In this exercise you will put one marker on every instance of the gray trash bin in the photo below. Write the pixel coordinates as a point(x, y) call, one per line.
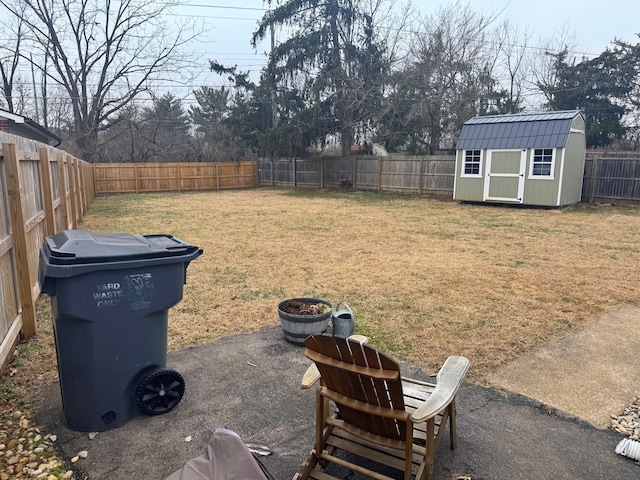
point(110, 295)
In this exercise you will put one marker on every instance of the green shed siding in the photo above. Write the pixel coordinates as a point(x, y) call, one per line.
point(468, 188)
point(543, 191)
point(560, 132)
point(573, 174)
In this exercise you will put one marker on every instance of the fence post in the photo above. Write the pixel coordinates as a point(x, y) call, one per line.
point(19, 228)
point(92, 174)
point(380, 173)
point(81, 190)
point(47, 192)
point(236, 180)
point(321, 172)
point(217, 176)
point(256, 175)
point(135, 177)
point(62, 191)
point(272, 179)
point(354, 167)
point(73, 193)
point(594, 169)
point(295, 172)
point(86, 172)
point(79, 193)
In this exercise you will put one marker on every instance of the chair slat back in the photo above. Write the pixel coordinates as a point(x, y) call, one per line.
point(376, 382)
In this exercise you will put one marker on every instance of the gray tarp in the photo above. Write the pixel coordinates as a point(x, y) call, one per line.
point(226, 458)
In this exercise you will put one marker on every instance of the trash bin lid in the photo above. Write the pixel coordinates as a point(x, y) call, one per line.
point(73, 247)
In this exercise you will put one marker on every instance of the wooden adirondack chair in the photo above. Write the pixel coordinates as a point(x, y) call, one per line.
point(394, 422)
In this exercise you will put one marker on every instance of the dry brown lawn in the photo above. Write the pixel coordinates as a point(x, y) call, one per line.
point(425, 278)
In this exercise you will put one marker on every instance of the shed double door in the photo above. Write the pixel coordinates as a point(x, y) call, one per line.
point(504, 175)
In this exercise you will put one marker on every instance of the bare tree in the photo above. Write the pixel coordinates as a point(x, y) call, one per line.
point(513, 48)
point(543, 71)
point(22, 95)
point(10, 48)
point(446, 79)
point(103, 53)
point(57, 111)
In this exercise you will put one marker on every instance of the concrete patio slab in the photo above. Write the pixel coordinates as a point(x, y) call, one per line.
point(590, 374)
point(251, 384)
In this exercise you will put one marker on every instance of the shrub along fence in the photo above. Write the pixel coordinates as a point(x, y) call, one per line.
point(43, 190)
point(172, 177)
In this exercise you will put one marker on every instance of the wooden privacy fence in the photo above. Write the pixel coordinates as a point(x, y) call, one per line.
point(172, 177)
point(424, 175)
point(609, 176)
point(43, 190)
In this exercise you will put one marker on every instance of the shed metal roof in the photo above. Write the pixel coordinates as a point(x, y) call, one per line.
point(520, 130)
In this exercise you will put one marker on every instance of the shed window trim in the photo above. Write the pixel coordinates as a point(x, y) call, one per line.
point(472, 163)
point(542, 164)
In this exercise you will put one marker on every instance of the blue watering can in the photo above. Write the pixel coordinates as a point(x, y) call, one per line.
point(344, 321)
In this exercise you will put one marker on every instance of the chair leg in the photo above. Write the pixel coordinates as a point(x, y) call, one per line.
point(452, 424)
point(307, 467)
point(430, 450)
point(322, 408)
point(408, 450)
point(322, 429)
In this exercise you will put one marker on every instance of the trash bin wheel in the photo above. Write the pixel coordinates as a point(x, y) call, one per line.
point(160, 391)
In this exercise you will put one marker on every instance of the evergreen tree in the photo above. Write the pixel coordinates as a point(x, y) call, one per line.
point(165, 129)
point(211, 109)
point(221, 125)
point(167, 117)
point(631, 54)
point(329, 73)
point(598, 87)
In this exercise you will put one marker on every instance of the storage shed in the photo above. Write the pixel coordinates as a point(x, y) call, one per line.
point(524, 158)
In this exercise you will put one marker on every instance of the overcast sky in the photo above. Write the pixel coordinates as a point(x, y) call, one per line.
point(594, 23)
point(230, 23)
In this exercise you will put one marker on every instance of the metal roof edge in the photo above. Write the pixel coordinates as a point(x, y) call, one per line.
point(522, 117)
point(15, 118)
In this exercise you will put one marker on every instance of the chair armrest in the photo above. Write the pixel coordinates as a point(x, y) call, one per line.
point(311, 376)
point(448, 381)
